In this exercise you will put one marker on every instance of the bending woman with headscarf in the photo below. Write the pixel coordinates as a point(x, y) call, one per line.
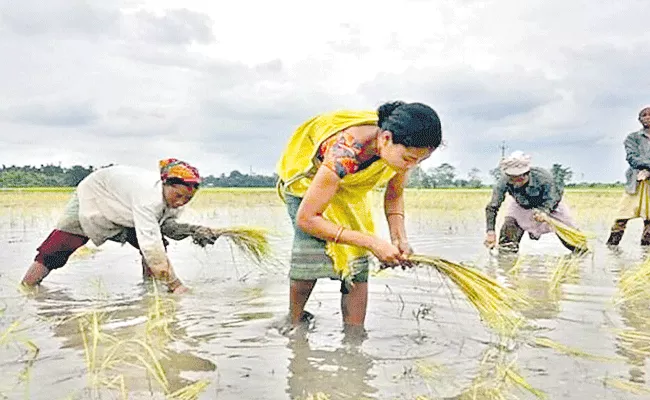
point(326, 175)
point(126, 204)
point(535, 193)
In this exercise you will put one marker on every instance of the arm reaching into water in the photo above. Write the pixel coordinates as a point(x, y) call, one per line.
point(394, 211)
point(310, 219)
point(491, 210)
point(148, 233)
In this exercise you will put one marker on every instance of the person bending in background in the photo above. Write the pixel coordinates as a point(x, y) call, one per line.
point(535, 193)
point(128, 205)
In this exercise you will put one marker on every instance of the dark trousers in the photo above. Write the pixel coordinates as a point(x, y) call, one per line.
point(618, 229)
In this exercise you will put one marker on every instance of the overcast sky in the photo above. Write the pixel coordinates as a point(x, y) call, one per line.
point(223, 84)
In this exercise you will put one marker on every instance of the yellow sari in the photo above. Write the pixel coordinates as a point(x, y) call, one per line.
point(351, 205)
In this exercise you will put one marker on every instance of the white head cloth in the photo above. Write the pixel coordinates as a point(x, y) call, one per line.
point(516, 163)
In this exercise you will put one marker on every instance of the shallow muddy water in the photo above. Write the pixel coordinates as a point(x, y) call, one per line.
point(422, 341)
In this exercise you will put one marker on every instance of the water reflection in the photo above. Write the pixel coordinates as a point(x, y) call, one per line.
point(538, 278)
point(418, 319)
point(342, 372)
point(498, 377)
point(633, 342)
point(137, 341)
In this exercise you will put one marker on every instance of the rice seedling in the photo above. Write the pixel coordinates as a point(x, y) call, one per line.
point(564, 269)
point(570, 235)
point(159, 316)
point(85, 252)
point(633, 343)
point(190, 392)
point(495, 303)
point(510, 374)
point(622, 384)
point(497, 379)
point(110, 360)
point(516, 268)
point(428, 370)
point(571, 351)
point(635, 283)
point(317, 396)
point(634, 335)
point(12, 334)
point(253, 242)
point(106, 356)
point(93, 337)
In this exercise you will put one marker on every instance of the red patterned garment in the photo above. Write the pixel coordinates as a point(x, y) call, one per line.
point(341, 152)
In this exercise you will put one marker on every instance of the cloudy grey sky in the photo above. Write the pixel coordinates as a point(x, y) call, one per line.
point(222, 85)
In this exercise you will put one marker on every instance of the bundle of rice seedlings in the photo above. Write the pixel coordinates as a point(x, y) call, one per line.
point(253, 242)
point(569, 234)
point(494, 302)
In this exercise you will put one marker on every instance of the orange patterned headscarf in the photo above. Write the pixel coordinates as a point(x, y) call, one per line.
point(173, 168)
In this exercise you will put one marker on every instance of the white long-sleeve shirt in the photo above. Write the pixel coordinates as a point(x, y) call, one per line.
point(116, 197)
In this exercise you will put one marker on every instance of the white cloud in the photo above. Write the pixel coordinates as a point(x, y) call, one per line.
point(223, 85)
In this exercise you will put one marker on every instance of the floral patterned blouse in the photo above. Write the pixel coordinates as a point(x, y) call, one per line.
point(341, 152)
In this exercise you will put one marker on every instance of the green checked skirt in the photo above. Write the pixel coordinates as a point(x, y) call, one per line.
point(308, 258)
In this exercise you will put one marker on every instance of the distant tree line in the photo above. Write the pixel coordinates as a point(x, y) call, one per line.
point(446, 176)
point(237, 179)
point(57, 176)
point(45, 175)
point(443, 176)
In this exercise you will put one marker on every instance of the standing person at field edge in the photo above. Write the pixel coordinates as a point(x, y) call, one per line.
point(326, 175)
point(535, 193)
point(125, 204)
point(634, 203)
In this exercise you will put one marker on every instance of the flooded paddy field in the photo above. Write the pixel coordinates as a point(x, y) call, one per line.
point(96, 330)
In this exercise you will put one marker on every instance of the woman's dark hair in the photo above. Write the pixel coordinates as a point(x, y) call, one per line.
point(179, 181)
point(412, 124)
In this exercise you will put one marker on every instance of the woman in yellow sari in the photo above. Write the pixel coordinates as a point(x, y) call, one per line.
point(326, 175)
